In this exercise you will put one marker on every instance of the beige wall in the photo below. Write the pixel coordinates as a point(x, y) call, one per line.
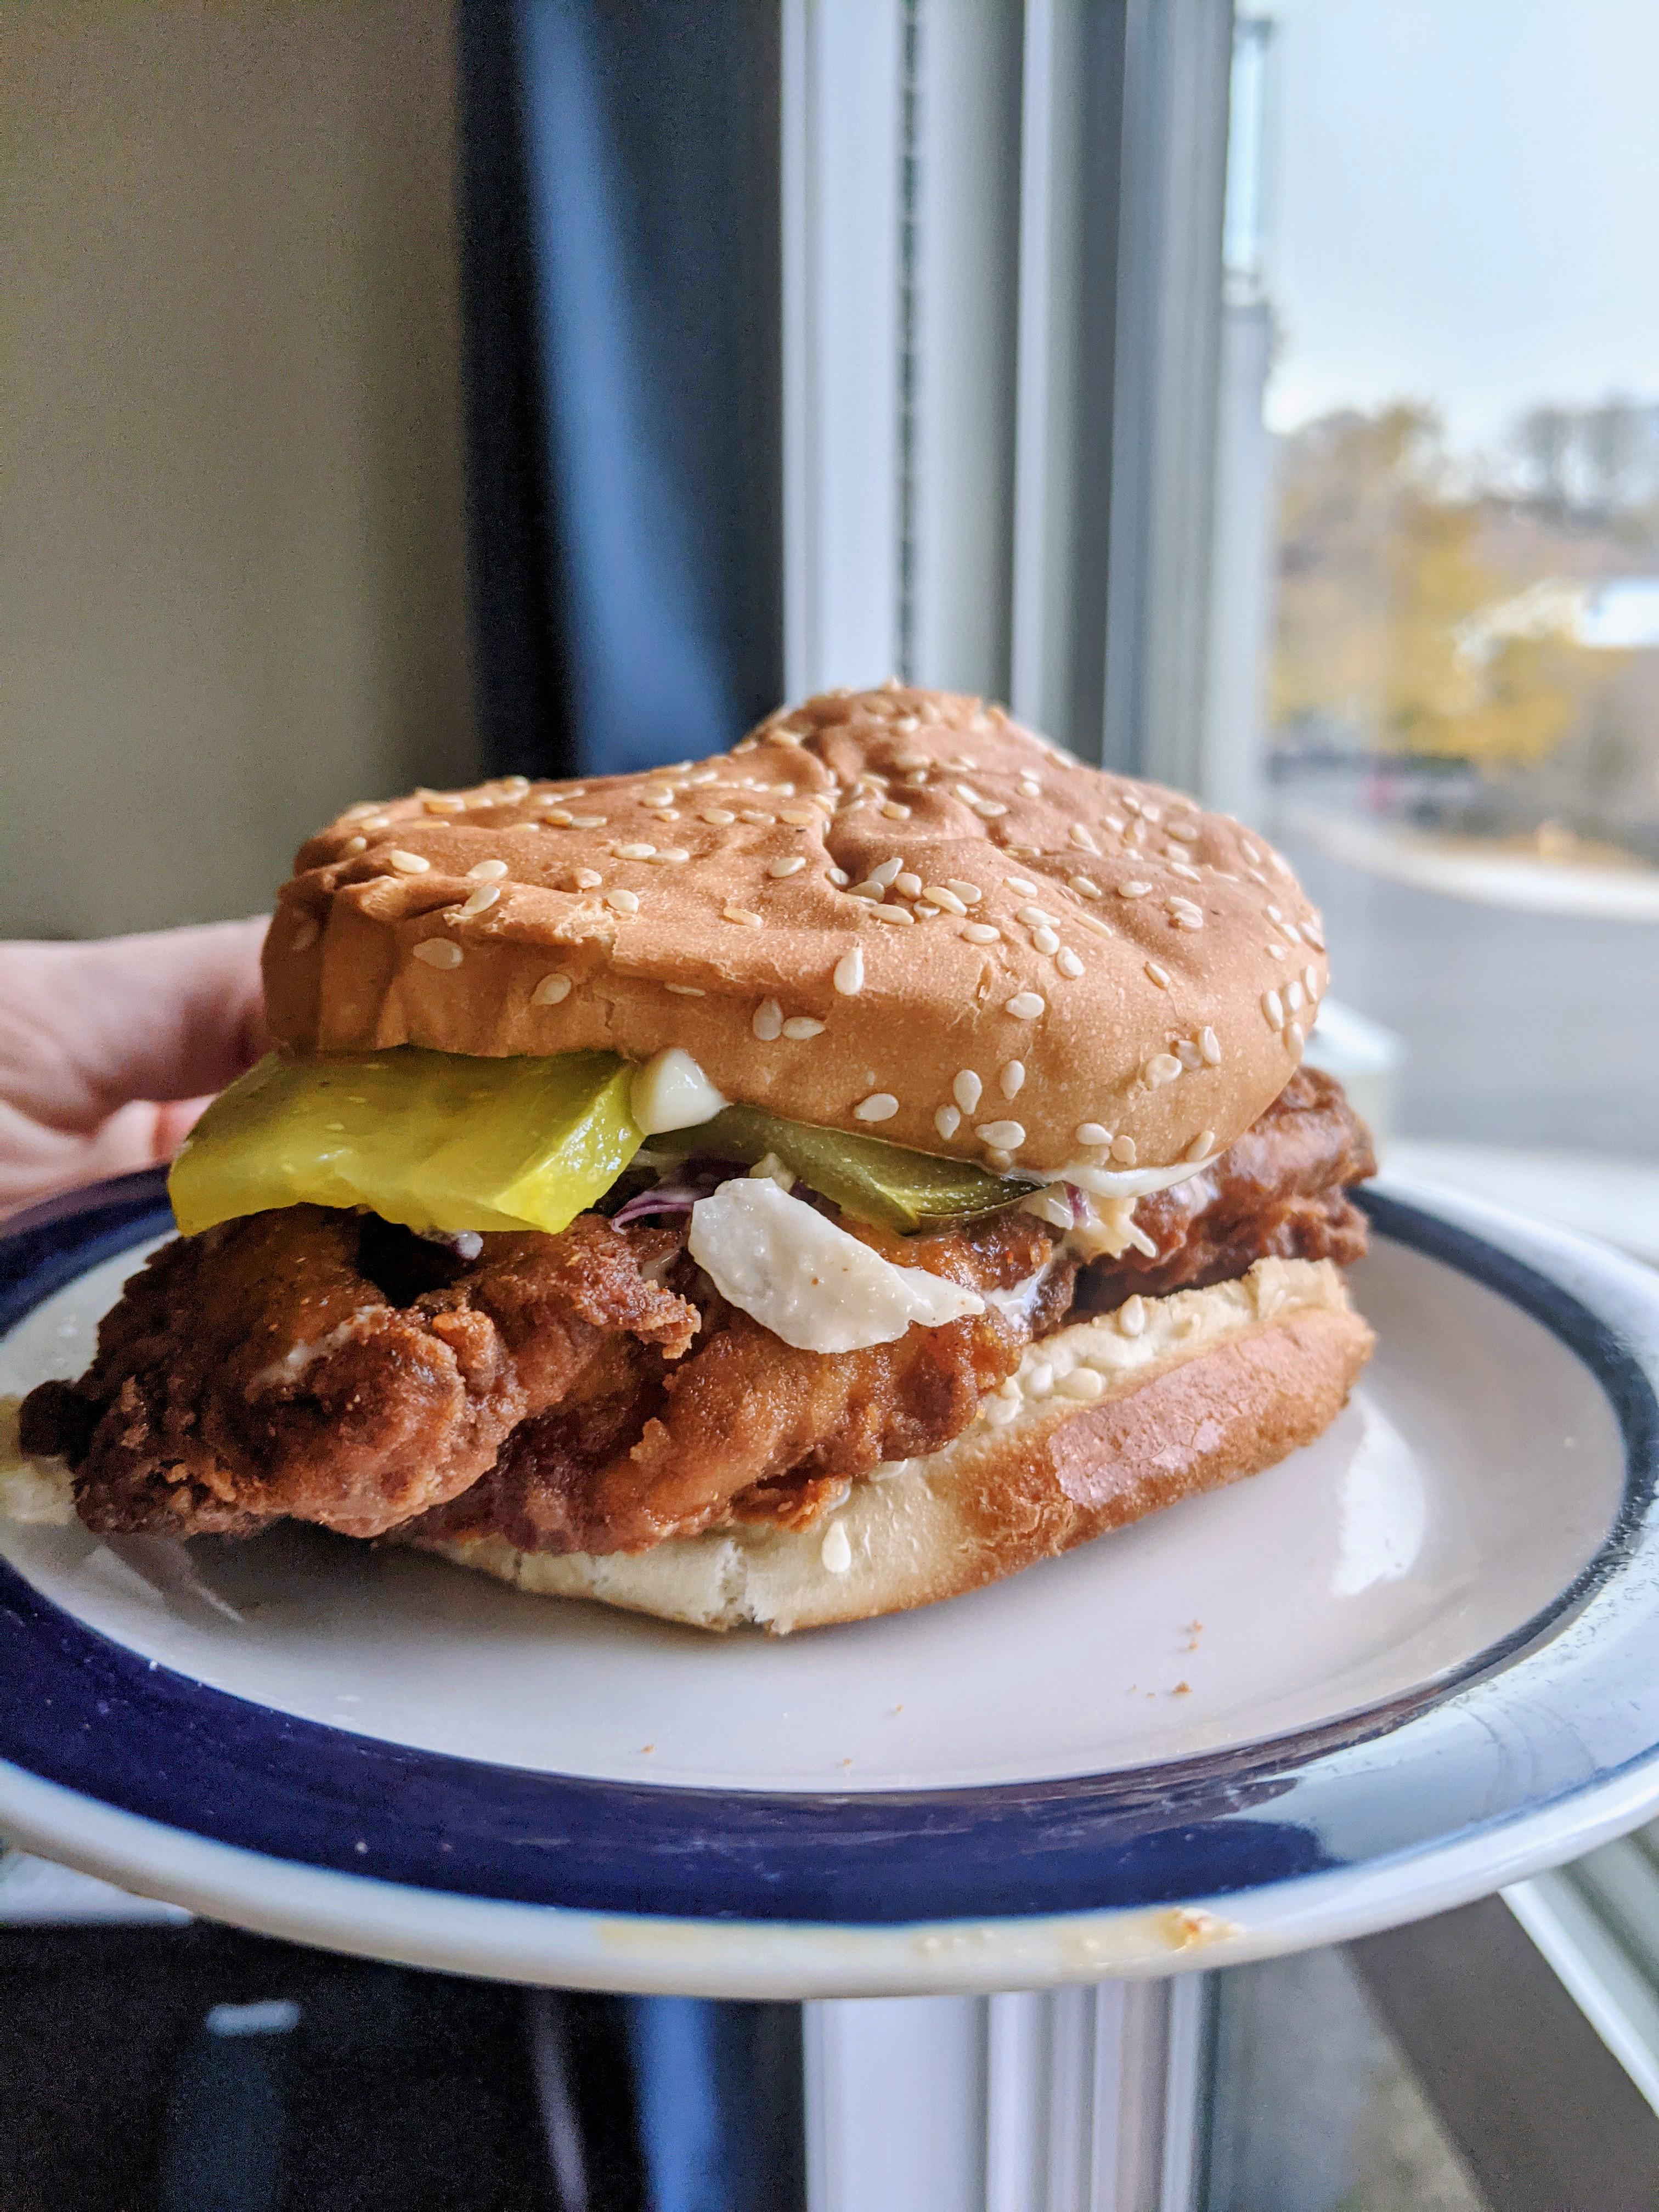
point(231, 545)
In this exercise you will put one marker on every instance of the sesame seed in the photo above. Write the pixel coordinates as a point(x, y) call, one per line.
point(1159, 976)
point(894, 811)
point(588, 880)
point(443, 802)
point(911, 760)
point(1202, 1145)
point(635, 852)
point(996, 1157)
point(741, 914)
point(873, 892)
point(1092, 1133)
point(1294, 994)
point(1273, 1007)
point(1188, 1055)
point(1115, 824)
point(1085, 886)
point(1021, 885)
point(1084, 1383)
point(478, 902)
point(1134, 888)
point(305, 933)
point(720, 816)
point(1274, 915)
point(1025, 1007)
point(1041, 1380)
point(1312, 935)
point(923, 911)
point(1186, 917)
point(1011, 1079)
point(1045, 940)
point(1162, 1067)
point(908, 885)
point(361, 811)
point(589, 821)
point(407, 864)
point(879, 1106)
point(1276, 953)
point(1293, 1037)
point(556, 819)
point(790, 866)
point(1210, 1046)
point(989, 810)
point(1068, 963)
point(754, 814)
point(438, 952)
point(552, 990)
point(1005, 1136)
point(354, 845)
point(941, 896)
point(849, 972)
point(947, 1121)
point(967, 1090)
point(1187, 831)
point(1310, 979)
point(965, 791)
point(1123, 1151)
point(488, 871)
point(1079, 835)
point(1030, 787)
point(799, 1027)
point(888, 873)
point(685, 990)
point(798, 818)
point(768, 1021)
point(621, 901)
point(1180, 868)
point(980, 933)
point(1131, 1315)
point(969, 894)
point(1034, 917)
point(673, 855)
point(899, 913)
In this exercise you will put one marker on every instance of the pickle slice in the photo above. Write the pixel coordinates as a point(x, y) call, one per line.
point(436, 1140)
point(886, 1184)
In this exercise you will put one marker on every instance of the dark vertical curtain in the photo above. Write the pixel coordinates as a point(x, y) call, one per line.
point(619, 182)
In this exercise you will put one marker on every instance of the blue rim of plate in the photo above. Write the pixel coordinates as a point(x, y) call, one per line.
point(87, 1714)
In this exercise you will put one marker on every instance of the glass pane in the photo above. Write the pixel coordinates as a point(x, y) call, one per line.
point(1440, 232)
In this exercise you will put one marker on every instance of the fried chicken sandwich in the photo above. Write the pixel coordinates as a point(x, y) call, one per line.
point(784, 1188)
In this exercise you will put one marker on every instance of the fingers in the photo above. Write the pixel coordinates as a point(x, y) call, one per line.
point(85, 1029)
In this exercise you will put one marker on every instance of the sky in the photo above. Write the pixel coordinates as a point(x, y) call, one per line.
point(1463, 205)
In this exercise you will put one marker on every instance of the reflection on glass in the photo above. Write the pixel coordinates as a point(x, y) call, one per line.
point(1444, 212)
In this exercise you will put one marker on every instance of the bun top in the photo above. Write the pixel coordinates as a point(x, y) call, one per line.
point(894, 912)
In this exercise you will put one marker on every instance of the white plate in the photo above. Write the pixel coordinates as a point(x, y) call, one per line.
point(1372, 1680)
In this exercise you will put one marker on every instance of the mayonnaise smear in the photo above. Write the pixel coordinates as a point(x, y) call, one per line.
point(795, 1273)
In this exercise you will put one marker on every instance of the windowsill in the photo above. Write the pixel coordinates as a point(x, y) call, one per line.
point(1614, 1199)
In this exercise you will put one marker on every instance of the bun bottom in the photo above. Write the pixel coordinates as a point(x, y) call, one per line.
point(1104, 1424)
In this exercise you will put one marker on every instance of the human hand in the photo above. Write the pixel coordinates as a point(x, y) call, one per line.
point(109, 1050)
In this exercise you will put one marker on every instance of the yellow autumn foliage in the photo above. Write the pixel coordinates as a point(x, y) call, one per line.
point(1382, 593)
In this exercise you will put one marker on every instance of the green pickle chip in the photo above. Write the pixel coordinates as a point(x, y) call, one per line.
point(436, 1140)
point(439, 1140)
point(874, 1182)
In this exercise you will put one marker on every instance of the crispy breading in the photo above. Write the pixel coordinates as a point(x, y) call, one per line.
point(591, 1391)
point(255, 1372)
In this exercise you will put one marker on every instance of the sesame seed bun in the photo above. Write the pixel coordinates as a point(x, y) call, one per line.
point(1210, 1386)
point(1050, 966)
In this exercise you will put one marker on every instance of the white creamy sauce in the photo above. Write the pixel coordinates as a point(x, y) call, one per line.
point(1129, 1183)
point(671, 1091)
point(798, 1275)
